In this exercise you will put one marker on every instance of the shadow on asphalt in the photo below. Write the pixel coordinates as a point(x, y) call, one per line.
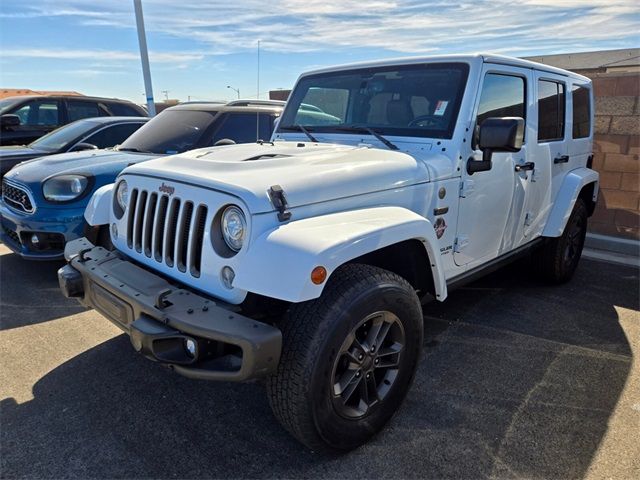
point(29, 292)
point(517, 380)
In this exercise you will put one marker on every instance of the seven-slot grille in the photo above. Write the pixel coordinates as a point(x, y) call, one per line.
point(170, 230)
point(16, 197)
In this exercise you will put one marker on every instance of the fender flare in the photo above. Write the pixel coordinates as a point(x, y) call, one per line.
point(98, 210)
point(279, 262)
point(566, 198)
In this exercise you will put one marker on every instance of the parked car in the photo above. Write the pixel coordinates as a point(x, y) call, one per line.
point(304, 261)
point(86, 134)
point(24, 119)
point(43, 200)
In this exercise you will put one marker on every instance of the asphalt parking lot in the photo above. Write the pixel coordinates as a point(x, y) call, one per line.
point(517, 380)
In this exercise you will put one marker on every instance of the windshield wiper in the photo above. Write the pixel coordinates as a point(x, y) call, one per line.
point(132, 149)
point(301, 129)
point(370, 131)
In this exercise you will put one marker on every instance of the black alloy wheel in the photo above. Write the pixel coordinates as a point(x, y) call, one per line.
point(367, 364)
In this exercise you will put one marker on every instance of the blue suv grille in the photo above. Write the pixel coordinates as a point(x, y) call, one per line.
point(17, 197)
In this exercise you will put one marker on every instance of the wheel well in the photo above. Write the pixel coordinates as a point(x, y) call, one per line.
point(409, 259)
point(586, 194)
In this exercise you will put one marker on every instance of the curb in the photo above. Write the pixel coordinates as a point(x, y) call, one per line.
point(607, 243)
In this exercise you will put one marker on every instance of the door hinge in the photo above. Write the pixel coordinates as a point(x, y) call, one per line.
point(461, 243)
point(466, 188)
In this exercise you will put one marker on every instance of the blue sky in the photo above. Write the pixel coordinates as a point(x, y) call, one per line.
point(198, 47)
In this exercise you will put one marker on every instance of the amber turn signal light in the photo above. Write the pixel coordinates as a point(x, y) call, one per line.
point(318, 275)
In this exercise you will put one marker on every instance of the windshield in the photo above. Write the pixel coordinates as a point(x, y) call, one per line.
point(6, 104)
point(62, 137)
point(410, 100)
point(172, 131)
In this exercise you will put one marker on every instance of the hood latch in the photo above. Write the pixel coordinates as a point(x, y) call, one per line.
point(279, 201)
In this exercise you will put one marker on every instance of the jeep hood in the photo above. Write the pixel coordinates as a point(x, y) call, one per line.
point(92, 162)
point(308, 172)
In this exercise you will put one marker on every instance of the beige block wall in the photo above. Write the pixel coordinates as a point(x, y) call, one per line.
point(617, 154)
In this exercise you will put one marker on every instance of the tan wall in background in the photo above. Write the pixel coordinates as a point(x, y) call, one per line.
point(617, 154)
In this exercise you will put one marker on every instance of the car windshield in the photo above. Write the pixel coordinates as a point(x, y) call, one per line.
point(410, 100)
point(63, 137)
point(172, 131)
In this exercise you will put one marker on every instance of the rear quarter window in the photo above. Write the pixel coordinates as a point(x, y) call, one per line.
point(581, 111)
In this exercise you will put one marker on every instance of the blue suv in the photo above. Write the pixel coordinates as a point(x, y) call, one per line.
point(43, 200)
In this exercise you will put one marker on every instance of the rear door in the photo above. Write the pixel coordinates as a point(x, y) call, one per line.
point(548, 149)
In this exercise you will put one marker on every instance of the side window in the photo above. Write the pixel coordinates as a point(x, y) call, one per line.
point(581, 111)
point(241, 128)
point(38, 112)
point(551, 103)
point(123, 110)
point(113, 135)
point(502, 96)
point(82, 109)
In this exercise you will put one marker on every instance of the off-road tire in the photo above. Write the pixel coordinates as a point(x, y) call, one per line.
point(301, 393)
point(558, 258)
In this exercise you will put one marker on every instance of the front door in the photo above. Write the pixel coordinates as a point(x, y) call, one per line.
point(492, 203)
point(37, 117)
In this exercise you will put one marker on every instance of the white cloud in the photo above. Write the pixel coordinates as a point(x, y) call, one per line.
point(103, 55)
point(404, 26)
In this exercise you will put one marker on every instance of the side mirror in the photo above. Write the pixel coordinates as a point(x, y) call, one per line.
point(224, 141)
point(497, 135)
point(9, 120)
point(79, 147)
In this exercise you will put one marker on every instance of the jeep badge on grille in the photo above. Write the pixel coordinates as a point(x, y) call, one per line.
point(166, 189)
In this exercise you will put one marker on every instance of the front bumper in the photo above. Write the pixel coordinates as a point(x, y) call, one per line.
point(162, 319)
point(53, 226)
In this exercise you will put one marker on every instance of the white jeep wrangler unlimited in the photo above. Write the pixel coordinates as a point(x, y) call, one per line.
point(305, 260)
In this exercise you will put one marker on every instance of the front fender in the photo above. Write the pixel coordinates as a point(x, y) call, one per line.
point(571, 186)
point(99, 208)
point(279, 262)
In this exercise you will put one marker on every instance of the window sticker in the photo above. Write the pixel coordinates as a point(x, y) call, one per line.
point(441, 107)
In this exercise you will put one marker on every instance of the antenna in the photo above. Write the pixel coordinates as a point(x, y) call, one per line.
point(258, 97)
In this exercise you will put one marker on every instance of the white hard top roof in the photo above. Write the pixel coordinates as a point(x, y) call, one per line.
point(468, 58)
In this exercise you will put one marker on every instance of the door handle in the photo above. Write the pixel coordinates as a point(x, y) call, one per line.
point(525, 166)
point(561, 159)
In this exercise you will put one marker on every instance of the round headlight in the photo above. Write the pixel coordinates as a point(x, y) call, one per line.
point(122, 195)
point(234, 227)
point(64, 188)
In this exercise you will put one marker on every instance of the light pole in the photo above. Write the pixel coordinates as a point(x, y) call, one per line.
point(144, 57)
point(237, 90)
point(166, 94)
